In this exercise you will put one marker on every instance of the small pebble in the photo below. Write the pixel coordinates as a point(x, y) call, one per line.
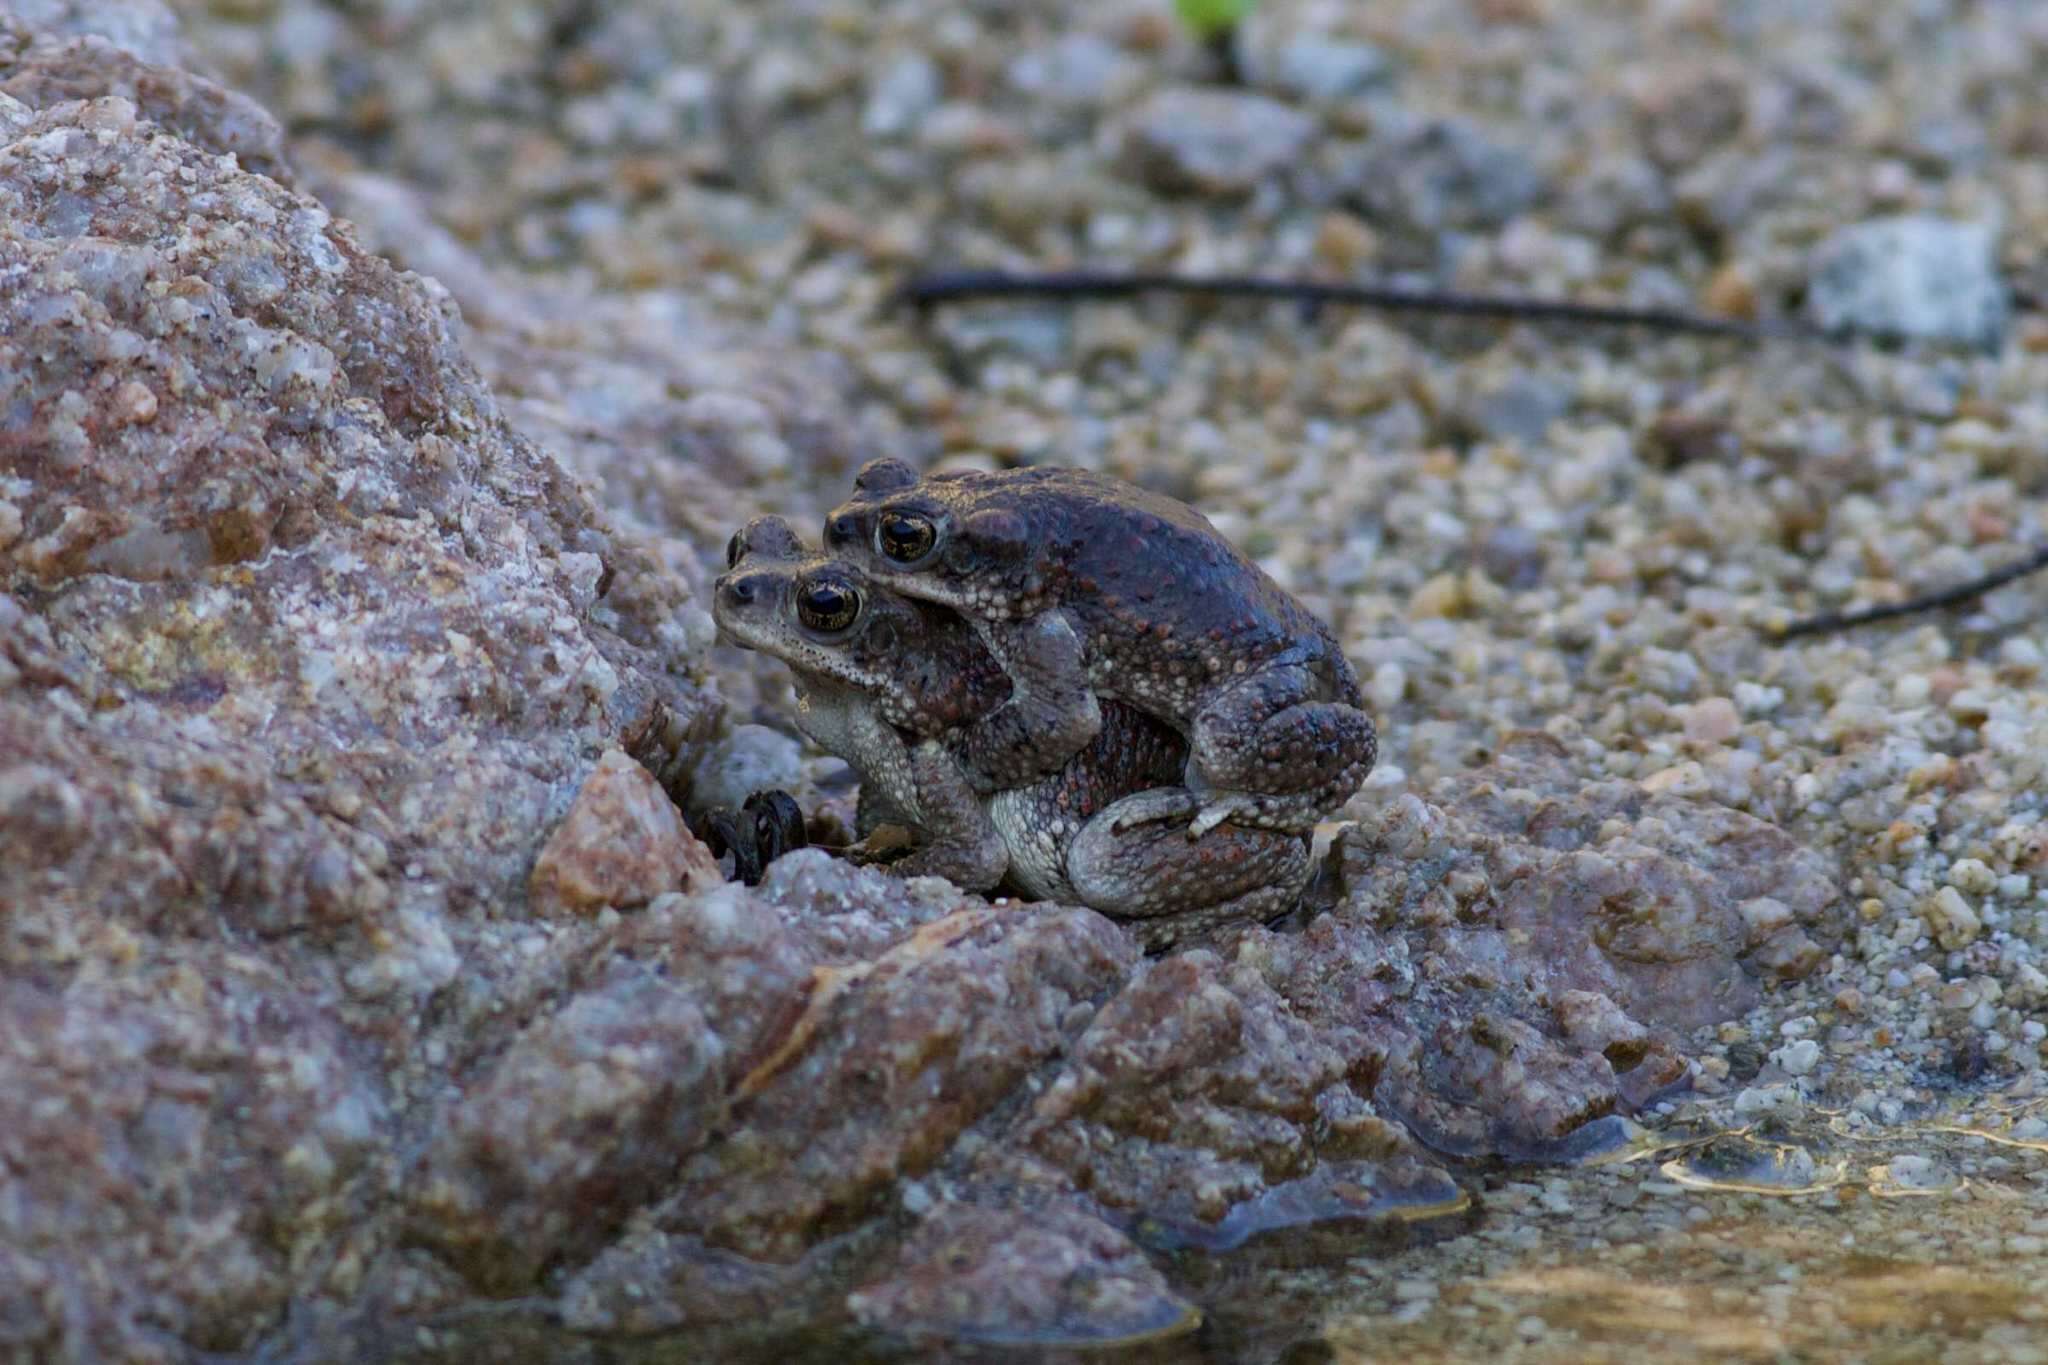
point(1798, 1059)
point(1911, 277)
point(1950, 919)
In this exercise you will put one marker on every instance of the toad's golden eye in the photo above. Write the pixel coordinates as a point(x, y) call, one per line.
point(827, 605)
point(735, 548)
point(905, 537)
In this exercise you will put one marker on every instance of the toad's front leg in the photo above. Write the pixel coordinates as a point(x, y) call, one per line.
point(963, 845)
point(1052, 713)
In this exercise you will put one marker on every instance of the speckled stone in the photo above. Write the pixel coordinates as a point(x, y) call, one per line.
point(1214, 142)
point(1911, 277)
point(622, 844)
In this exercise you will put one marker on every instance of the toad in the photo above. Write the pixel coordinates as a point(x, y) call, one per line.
point(1087, 588)
point(902, 690)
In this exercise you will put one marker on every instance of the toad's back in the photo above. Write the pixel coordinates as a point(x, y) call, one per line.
point(1166, 603)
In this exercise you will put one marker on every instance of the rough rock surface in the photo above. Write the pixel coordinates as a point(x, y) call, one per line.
point(40, 67)
point(302, 652)
point(1522, 904)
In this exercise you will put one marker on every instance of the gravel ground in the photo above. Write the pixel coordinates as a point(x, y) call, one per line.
point(1510, 527)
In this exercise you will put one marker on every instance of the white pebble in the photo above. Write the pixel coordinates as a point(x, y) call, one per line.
point(1754, 699)
point(1389, 685)
point(1972, 877)
point(1950, 919)
point(1386, 777)
point(1798, 1059)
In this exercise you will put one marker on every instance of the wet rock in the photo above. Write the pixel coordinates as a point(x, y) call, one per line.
point(1432, 175)
point(1911, 278)
point(1052, 1277)
point(1213, 142)
point(621, 844)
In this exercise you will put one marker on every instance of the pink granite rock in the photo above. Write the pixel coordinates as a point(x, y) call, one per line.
point(622, 844)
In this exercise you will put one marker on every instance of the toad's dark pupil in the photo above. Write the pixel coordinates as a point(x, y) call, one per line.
point(906, 538)
point(734, 548)
point(828, 606)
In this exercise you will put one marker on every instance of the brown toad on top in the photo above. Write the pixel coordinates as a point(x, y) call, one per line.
point(902, 691)
point(1085, 586)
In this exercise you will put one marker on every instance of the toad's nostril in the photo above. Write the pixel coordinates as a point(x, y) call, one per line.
point(841, 531)
point(738, 591)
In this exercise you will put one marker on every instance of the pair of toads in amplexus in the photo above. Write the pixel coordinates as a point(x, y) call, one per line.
point(1068, 686)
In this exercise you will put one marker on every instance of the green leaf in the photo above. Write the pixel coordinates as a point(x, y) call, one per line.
point(1211, 17)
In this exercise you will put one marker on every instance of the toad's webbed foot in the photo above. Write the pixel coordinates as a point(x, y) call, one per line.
point(1151, 807)
point(1135, 862)
point(1275, 752)
point(768, 825)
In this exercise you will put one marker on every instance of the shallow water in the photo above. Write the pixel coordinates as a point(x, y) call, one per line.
point(1809, 1236)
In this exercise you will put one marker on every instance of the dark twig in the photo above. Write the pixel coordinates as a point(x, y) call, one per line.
point(1222, 45)
point(1944, 597)
point(924, 291)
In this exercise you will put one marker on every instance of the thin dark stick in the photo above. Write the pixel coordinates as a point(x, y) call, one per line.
point(923, 291)
point(1945, 597)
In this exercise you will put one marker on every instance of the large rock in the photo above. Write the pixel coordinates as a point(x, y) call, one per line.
point(41, 66)
point(303, 651)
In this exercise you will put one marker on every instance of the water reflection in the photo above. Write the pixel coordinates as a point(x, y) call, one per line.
point(1280, 1273)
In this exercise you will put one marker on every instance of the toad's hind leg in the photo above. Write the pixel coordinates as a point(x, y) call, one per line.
point(1147, 870)
point(1275, 751)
